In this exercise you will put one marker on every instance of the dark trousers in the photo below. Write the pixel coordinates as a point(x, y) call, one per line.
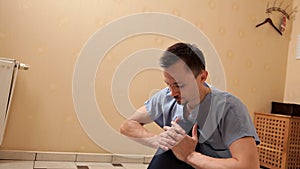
point(167, 160)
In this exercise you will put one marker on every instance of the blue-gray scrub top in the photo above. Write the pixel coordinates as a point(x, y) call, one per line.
point(221, 118)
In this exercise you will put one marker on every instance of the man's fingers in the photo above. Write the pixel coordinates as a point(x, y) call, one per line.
point(163, 147)
point(171, 133)
point(166, 128)
point(166, 143)
point(178, 128)
point(194, 132)
point(177, 120)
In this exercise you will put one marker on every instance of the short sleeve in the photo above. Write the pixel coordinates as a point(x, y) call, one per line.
point(236, 122)
point(157, 104)
point(163, 108)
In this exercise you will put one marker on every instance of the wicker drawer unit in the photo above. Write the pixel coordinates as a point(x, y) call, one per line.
point(280, 140)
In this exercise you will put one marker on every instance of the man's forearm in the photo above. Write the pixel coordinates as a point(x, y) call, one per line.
point(200, 161)
point(138, 133)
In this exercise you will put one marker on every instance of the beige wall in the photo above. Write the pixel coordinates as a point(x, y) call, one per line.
point(292, 87)
point(48, 35)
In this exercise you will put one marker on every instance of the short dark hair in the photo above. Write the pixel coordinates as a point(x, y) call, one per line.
point(188, 53)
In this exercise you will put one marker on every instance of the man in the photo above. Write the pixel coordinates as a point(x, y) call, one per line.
point(204, 128)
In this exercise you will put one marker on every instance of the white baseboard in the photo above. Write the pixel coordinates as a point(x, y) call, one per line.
point(73, 157)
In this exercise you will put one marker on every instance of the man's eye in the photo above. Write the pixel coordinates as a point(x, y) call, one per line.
point(180, 85)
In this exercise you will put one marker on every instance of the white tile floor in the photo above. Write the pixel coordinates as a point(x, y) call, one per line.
point(11, 164)
point(56, 160)
point(61, 160)
point(5, 164)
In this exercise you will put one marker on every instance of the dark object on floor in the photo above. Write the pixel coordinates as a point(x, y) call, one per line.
point(82, 167)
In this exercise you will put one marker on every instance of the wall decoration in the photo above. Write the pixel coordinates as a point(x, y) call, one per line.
point(285, 16)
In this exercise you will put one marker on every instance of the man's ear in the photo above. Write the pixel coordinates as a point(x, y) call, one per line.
point(202, 76)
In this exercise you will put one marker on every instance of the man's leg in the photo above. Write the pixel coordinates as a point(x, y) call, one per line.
point(167, 160)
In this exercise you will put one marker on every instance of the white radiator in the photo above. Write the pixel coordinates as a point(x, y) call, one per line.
point(8, 75)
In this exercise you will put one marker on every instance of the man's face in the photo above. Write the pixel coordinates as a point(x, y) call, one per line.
point(181, 82)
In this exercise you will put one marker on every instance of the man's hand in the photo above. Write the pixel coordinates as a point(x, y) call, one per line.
point(187, 145)
point(171, 136)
